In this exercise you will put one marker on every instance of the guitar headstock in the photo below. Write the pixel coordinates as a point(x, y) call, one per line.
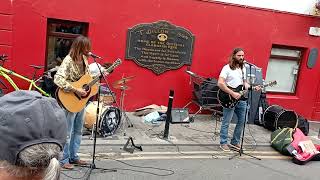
point(117, 62)
point(272, 83)
point(114, 64)
point(3, 57)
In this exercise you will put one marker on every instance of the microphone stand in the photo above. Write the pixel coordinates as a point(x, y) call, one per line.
point(93, 165)
point(241, 151)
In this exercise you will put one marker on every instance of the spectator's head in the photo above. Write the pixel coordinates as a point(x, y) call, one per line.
point(33, 132)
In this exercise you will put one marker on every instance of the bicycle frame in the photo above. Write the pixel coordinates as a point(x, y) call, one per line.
point(6, 72)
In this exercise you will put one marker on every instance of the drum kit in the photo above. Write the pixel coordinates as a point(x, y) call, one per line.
point(111, 113)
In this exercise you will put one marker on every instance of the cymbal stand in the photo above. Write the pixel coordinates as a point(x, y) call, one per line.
point(124, 115)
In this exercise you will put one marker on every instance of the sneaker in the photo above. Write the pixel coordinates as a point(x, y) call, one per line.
point(225, 147)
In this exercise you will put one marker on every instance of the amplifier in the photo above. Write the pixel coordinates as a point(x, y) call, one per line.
point(180, 115)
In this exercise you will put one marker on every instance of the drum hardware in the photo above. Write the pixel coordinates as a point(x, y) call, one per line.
point(122, 85)
point(132, 146)
point(123, 80)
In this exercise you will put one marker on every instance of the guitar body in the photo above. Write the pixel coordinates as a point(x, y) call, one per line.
point(226, 100)
point(71, 101)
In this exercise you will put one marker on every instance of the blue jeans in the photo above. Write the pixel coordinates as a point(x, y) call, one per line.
point(75, 124)
point(240, 111)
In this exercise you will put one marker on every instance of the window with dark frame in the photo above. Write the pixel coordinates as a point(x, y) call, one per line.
point(284, 64)
point(60, 35)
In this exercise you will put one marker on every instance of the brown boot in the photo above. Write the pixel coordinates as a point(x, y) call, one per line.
point(79, 162)
point(67, 166)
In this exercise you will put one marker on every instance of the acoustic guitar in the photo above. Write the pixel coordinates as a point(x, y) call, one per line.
point(74, 103)
point(227, 101)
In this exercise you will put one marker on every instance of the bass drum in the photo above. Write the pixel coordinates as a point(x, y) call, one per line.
point(91, 112)
point(276, 117)
point(109, 121)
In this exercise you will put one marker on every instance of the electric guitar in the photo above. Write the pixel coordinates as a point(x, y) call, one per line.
point(75, 103)
point(227, 101)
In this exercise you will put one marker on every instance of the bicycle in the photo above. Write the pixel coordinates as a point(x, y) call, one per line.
point(6, 73)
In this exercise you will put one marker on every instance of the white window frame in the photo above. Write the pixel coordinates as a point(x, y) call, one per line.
point(284, 66)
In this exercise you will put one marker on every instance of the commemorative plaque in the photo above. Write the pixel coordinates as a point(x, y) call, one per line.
point(159, 46)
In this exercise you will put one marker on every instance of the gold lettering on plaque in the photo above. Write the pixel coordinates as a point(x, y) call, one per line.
point(162, 37)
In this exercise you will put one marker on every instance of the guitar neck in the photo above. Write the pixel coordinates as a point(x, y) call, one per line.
point(246, 90)
point(95, 80)
point(117, 62)
point(264, 85)
point(109, 69)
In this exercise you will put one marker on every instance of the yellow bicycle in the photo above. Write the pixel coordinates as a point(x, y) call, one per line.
point(33, 83)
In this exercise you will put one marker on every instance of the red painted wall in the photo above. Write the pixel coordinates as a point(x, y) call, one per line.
point(5, 27)
point(217, 27)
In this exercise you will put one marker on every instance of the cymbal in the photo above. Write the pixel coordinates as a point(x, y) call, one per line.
point(123, 80)
point(122, 87)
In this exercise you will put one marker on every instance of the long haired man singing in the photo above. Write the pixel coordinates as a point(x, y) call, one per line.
point(232, 75)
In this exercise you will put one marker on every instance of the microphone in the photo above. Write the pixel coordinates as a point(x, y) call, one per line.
point(191, 73)
point(246, 62)
point(94, 55)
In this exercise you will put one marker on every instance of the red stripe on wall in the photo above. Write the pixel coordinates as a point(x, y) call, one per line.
point(5, 22)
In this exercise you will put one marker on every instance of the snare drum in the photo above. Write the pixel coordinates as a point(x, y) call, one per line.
point(91, 112)
point(107, 99)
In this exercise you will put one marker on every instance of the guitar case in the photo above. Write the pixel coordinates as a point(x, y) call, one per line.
point(302, 149)
point(262, 107)
point(303, 125)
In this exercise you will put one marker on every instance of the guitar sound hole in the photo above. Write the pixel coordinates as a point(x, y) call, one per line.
point(86, 88)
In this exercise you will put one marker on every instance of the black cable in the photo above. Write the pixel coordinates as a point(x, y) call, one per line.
point(197, 130)
point(71, 177)
point(171, 172)
point(160, 135)
point(254, 140)
point(216, 134)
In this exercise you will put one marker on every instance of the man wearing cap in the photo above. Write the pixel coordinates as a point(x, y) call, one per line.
point(34, 131)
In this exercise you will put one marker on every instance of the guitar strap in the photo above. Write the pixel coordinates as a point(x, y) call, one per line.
point(243, 84)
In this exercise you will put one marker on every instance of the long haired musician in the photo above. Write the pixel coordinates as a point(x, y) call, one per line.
point(232, 76)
